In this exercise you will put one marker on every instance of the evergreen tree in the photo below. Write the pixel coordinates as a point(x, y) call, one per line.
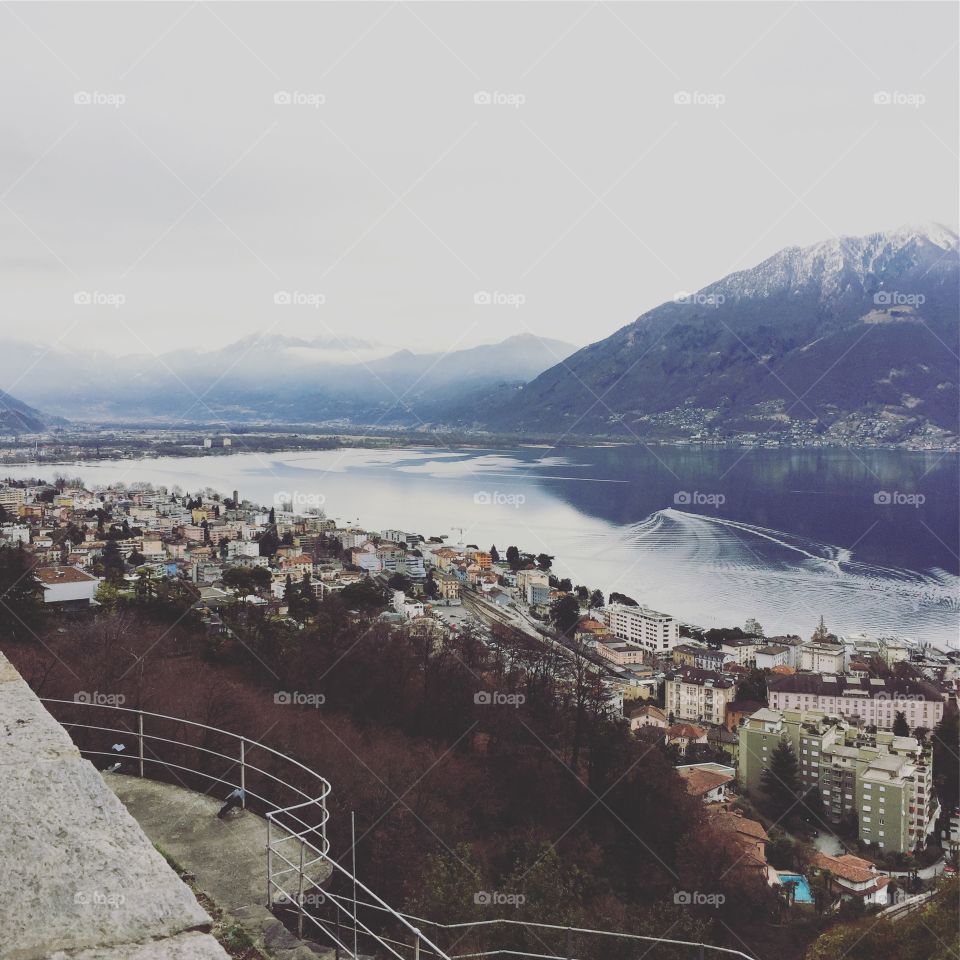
point(565, 613)
point(900, 726)
point(112, 560)
point(513, 558)
point(780, 780)
point(596, 599)
point(21, 594)
point(946, 770)
point(268, 543)
point(494, 554)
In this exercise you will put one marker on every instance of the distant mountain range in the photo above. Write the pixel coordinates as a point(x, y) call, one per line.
point(275, 378)
point(849, 340)
point(853, 339)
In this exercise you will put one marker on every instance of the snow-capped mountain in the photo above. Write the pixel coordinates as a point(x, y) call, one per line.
point(843, 264)
point(854, 338)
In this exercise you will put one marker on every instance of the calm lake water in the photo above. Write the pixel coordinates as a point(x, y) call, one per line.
point(867, 538)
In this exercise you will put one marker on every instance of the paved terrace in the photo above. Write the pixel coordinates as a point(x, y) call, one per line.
point(226, 857)
point(80, 879)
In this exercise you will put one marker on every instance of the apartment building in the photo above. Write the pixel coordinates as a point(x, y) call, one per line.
point(685, 654)
point(767, 658)
point(822, 658)
point(619, 652)
point(714, 660)
point(11, 498)
point(701, 695)
point(655, 632)
point(743, 649)
point(886, 780)
point(449, 586)
point(871, 700)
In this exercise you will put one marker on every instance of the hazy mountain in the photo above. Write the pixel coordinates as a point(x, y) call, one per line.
point(17, 417)
point(853, 337)
point(276, 378)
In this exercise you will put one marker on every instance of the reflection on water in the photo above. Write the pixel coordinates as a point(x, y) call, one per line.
point(867, 538)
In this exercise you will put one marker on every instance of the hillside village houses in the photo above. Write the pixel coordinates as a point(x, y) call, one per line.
point(837, 696)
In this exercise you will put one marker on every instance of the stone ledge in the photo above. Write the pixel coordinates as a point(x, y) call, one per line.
point(79, 873)
point(184, 946)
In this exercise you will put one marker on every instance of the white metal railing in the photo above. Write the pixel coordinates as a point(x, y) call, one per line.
point(290, 882)
point(298, 860)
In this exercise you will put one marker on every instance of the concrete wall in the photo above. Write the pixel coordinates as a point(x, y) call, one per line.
point(80, 879)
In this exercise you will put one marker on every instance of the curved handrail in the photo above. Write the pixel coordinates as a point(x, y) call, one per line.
point(309, 833)
point(560, 928)
point(305, 836)
point(202, 726)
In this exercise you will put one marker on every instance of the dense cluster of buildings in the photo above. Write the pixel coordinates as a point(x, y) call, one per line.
point(834, 699)
point(886, 780)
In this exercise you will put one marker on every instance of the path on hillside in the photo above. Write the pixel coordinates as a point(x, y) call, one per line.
point(227, 857)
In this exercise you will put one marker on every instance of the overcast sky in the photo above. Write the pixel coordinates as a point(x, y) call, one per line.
point(582, 194)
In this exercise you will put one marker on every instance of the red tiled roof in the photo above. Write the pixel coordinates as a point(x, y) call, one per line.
point(700, 782)
point(55, 575)
point(688, 730)
point(733, 821)
point(649, 711)
point(846, 867)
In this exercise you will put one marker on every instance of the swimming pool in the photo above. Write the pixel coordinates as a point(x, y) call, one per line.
point(801, 893)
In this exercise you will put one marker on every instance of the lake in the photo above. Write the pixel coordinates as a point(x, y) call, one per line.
point(869, 539)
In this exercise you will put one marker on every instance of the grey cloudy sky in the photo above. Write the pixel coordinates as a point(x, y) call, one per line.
point(582, 186)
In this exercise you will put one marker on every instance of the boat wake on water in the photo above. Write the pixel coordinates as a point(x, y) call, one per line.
point(712, 559)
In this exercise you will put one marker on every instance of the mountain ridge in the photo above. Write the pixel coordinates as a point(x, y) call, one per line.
point(277, 377)
point(775, 350)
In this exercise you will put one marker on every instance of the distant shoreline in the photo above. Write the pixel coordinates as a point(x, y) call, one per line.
point(145, 444)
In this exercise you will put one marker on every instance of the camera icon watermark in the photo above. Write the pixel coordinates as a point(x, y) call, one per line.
point(98, 298)
point(97, 898)
point(312, 899)
point(894, 298)
point(699, 98)
point(498, 298)
point(290, 502)
point(294, 698)
point(493, 898)
point(299, 98)
point(894, 498)
point(97, 98)
point(97, 699)
point(496, 498)
point(498, 98)
point(694, 498)
point(897, 98)
point(695, 898)
point(487, 698)
point(899, 698)
point(299, 298)
point(699, 299)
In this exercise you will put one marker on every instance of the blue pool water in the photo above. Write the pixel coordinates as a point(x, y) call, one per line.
point(802, 892)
